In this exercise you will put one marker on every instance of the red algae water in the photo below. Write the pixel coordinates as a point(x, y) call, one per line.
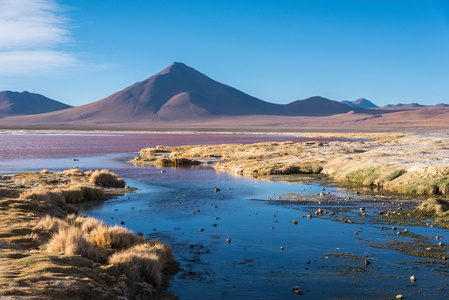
point(24, 145)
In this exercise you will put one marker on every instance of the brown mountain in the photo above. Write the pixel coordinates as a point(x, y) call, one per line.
point(176, 93)
point(25, 103)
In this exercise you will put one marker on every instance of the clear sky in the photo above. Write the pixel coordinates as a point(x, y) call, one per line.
point(79, 51)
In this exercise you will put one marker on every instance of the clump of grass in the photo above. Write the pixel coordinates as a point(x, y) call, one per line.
point(71, 241)
point(175, 161)
point(50, 224)
point(70, 209)
point(92, 193)
point(435, 206)
point(144, 262)
point(87, 224)
point(106, 178)
point(115, 237)
point(42, 195)
point(73, 172)
point(35, 194)
point(72, 195)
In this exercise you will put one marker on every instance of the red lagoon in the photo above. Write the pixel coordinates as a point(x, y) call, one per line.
point(29, 145)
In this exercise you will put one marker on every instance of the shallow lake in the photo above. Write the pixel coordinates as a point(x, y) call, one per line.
point(322, 255)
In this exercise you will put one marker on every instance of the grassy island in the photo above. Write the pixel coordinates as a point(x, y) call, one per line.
point(48, 252)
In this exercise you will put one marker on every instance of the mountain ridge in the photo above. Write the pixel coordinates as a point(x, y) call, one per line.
point(26, 103)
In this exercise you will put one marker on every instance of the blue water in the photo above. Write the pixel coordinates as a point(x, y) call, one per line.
point(253, 266)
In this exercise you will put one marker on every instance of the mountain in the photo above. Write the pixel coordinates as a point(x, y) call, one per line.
point(25, 103)
point(404, 106)
point(176, 93)
point(361, 102)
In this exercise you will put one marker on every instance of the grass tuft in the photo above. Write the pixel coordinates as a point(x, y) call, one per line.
point(106, 178)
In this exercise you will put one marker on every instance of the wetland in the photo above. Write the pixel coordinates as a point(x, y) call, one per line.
point(255, 218)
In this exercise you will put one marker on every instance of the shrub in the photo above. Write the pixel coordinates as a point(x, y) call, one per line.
point(71, 241)
point(106, 178)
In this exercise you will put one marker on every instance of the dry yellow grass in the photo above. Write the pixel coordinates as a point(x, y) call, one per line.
point(115, 237)
point(106, 178)
point(50, 224)
point(73, 172)
point(71, 241)
point(144, 262)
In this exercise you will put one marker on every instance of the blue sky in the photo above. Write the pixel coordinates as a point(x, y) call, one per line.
point(79, 51)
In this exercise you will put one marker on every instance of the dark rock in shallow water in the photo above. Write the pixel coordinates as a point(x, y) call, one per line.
point(297, 290)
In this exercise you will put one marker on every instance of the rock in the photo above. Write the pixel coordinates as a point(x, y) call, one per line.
point(399, 296)
point(215, 225)
point(308, 262)
point(309, 216)
point(437, 237)
point(367, 262)
point(321, 194)
point(201, 229)
point(122, 223)
point(217, 189)
point(413, 278)
point(297, 290)
point(228, 241)
point(126, 187)
point(356, 232)
point(362, 209)
point(295, 222)
point(441, 244)
point(282, 248)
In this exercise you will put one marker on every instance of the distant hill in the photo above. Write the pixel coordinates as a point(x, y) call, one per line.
point(25, 103)
point(361, 103)
point(316, 106)
point(404, 106)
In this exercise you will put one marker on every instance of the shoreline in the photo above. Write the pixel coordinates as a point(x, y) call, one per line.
point(49, 252)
